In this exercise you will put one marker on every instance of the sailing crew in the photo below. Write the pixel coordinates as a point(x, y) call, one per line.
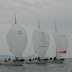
point(38, 58)
point(5, 60)
point(54, 58)
point(17, 58)
point(9, 59)
point(50, 59)
point(29, 59)
point(22, 60)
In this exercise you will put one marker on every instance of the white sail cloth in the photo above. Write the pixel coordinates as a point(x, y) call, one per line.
point(61, 42)
point(17, 40)
point(41, 41)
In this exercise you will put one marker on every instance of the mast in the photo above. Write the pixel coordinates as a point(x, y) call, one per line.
point(55, 26)
point(55, 31)
point(38, 24)
point(15, 20)
point(15, 23)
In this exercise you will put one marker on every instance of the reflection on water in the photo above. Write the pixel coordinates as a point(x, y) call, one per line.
point(65, 67)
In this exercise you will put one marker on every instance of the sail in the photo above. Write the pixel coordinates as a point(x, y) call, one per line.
point(41, 42)
point(61, 42)
point(17, 40)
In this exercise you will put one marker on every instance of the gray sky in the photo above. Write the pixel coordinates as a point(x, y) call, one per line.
point(29, 11)
point(47, 11)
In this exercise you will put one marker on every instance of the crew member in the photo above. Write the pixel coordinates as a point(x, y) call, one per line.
point(17, 58)
point(9, 59)
point(50, 59)
point(54, 58)
point(38, 58)
point(5, 60)
point(29, 59)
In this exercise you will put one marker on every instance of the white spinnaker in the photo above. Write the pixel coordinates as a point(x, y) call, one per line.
point(17, 40)
point(41, 41)
point(61, 42)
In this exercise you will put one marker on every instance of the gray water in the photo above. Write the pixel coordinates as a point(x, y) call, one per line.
point(65, 67)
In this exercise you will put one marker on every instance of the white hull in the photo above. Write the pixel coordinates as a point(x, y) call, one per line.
point(56, 61)
point(12, 63)
point(44, 62)
point(35, 62)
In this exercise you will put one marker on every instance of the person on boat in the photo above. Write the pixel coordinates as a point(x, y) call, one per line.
point(29, 59)
point(38, 58)
point(54, 58)
point(46, 59)
point(33, 59)
point(50, 59)
point(22, 59)
point(16, 58)
point(9, 59)
point(5, 60)
point(62, 59)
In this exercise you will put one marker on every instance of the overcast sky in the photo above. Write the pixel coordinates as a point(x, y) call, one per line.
point(29, 11)
point(47, 11)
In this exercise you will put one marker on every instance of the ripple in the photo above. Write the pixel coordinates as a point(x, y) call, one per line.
point(65, 67)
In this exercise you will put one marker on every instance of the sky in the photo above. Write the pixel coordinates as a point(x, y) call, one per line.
point(29, 11)
point(48, 12)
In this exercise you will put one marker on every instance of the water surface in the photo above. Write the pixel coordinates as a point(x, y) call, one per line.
point(65, 67)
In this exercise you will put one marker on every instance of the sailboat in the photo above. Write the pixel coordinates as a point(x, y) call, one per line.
point(61, 43)
point(41, 41)
point(17, 41)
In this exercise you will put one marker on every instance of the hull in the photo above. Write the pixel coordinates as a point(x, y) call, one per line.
point(44, 62)
point(56, 61)
point(12, 63)
point(36, 62)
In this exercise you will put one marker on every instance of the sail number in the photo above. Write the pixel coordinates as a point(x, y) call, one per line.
point(43, 38)
point(19, 32)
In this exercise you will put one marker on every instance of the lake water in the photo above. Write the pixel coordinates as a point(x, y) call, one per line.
point(65, 67)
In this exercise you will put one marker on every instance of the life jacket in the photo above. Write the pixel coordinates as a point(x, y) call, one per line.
point(10, 60)
point(54, 58)
point(38, 58)
point(50, 58)
point(29, 59)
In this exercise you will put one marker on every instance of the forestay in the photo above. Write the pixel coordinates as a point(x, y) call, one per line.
point(41, 41)
point(17, 40)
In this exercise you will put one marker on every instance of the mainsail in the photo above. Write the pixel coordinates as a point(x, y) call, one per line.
point(17, 40)
point(41, 42)
point(61, 42)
